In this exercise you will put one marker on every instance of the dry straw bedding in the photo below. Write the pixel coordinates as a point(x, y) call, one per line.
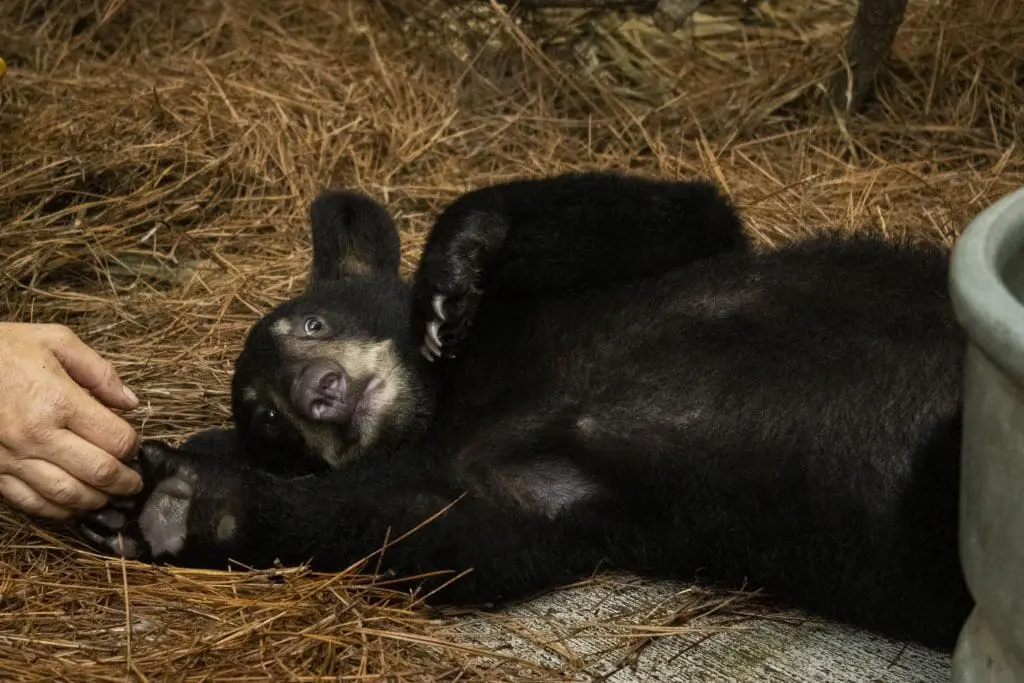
point(157, 161)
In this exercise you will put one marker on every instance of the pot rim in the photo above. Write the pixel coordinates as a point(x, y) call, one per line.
point(982, 301)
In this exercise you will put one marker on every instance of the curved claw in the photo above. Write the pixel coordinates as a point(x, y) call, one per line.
point(431, 345)
point(433, 336)
point(97, 539)
point(437, 304)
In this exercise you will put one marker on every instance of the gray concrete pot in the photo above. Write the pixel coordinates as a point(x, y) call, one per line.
point(987, 287)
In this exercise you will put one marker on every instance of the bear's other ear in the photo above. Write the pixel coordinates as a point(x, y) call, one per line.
point(353, 236)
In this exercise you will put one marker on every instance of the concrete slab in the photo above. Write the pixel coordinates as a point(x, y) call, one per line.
point(591, 632)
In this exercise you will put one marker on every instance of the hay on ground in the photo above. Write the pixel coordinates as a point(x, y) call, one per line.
point(157, 161)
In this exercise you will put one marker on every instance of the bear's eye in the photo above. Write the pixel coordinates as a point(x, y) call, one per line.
point(269, 417)
point(314, 326)
point(268, 421)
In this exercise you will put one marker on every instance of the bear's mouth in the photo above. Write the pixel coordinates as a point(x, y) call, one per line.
point(363, 412)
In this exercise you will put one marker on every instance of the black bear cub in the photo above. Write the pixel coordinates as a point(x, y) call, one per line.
point(590, 370)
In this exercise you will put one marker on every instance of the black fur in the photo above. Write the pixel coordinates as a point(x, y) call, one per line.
point(535, 237)
point(641, 392)
point(355, 291)
point(346, 252)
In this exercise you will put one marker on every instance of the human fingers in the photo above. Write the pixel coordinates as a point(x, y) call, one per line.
point(93, 466)
point(57, 486)
point(86, 367)
point(23, 498)
point(56, 420)
point(92, 421)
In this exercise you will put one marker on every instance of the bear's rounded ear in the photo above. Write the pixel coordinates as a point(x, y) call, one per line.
point(353, 236)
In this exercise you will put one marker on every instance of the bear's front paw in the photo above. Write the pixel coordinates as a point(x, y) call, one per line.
point(176, 513)
point(451, 281)
point(447, 327)
point(114, 530)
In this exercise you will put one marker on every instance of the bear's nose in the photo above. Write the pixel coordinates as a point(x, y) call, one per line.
point(320, 392)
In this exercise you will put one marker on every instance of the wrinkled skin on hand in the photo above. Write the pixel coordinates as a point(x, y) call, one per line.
point(61, 444)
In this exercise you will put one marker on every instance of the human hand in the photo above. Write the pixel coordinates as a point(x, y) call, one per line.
point(60, 444)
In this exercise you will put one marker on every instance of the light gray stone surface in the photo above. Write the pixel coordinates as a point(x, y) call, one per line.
point(589, 633)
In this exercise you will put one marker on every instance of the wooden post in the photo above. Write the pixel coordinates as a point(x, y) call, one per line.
point(871, 38)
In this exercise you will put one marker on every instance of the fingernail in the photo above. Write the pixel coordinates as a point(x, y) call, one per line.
point(130, 395)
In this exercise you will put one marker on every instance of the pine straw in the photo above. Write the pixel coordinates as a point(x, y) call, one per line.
point(157, 161)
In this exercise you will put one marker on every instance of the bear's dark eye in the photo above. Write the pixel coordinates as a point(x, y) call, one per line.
point(313, 326)
point(267, 421)
point(267, 424)
point(271, 429)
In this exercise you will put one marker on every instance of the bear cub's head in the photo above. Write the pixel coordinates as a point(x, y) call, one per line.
point(335, 371)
